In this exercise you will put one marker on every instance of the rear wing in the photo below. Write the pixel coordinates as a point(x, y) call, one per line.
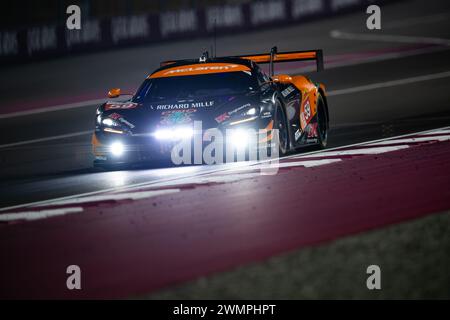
point(273, 57)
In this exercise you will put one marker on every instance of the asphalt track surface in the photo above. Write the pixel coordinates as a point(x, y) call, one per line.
point(379, 87)
point(37, 171)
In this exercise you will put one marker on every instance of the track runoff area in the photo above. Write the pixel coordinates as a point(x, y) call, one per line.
point(219, 220)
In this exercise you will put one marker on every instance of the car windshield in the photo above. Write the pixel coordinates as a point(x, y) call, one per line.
point(185, 87)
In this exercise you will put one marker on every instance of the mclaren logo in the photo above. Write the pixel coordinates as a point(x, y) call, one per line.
point(203, 68)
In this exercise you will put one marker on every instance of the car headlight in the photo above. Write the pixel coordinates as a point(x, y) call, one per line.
point(109, 122)
point(251, 112)
point(109, 125)
point(117, 148)
point(248, 115)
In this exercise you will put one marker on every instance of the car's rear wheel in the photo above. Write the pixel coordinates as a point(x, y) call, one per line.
point(322, 123)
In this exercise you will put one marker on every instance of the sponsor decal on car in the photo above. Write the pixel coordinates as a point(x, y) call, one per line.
point(120, 118)
point(287, 91)
point(181, 106)
point(196, 69)
point(297, 134)
point(305, 114)
point(239, 109)
point(312, 130)
point(266, 114)
point(128, 105)
point(203, 68)
point(115, 116)
point(223, 117)
point(176, 117)
point(126, 122)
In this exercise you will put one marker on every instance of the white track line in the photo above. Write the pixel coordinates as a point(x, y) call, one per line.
point(408, 22)
point(60, 107)
point(208, 172)
point(114, 197)
point(364, 60)
point(338, 34)
point(113, 189)
point(39, 214)
point(303, 163)
point(229, 177)
point(362, 151)
point(412, 140)
point(444, 131)
point(392, 83)
point(308, 163)
point(62, 136)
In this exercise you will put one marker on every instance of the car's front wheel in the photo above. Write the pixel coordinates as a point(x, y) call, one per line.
point(280, 125)
point(322, 123)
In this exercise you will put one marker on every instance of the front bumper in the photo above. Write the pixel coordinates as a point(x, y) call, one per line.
point(135, 149)
point(147, 148)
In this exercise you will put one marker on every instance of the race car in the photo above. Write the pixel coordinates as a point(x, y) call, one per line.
point(225, 94)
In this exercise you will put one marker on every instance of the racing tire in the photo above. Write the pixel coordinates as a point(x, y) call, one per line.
point(280, 123)
point(322, 123)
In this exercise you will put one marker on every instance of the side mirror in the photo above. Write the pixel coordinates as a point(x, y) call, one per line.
point(282, 78)
point(114, 93)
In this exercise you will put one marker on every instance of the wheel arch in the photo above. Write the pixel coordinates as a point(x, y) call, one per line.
point(322, 93)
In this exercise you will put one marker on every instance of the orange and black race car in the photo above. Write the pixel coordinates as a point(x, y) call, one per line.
point(187, 98)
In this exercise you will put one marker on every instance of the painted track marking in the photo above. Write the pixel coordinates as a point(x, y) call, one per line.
point(58, 137)
point(115, 197)
point(413, 140)
point(227, 170)
point(433, 18)
point(342, 61)
point(60, 107)
point(39, 214)
point(338, 34)
point(391, 83)
point(362, 151)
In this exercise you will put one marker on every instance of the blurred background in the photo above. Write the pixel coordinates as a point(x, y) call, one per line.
point(380, 83)
point(53, 11)
point(37, 29)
